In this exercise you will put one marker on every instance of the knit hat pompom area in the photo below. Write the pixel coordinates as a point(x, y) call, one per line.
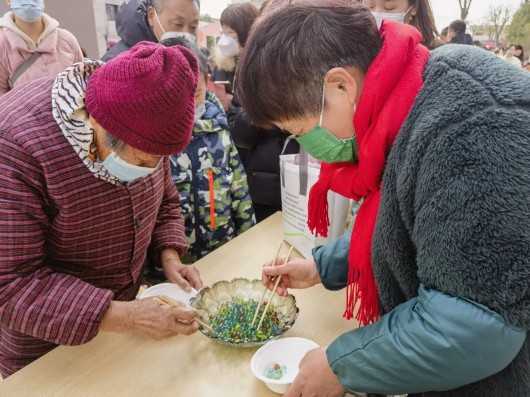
point(146, 97)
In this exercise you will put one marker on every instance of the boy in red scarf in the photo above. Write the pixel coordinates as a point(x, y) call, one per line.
point(438, 262)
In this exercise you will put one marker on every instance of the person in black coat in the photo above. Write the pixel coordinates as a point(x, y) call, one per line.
point(260, 151)
point(457, 33)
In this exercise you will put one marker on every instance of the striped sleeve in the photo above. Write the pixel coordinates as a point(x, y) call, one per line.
point(34, 300)
point(169, 228)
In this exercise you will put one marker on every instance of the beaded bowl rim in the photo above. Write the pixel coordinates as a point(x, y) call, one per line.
point(195, 301)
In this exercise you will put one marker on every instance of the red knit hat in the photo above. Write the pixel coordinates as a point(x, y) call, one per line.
point(145, 97)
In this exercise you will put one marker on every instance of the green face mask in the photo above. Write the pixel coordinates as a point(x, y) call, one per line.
point(324, 146)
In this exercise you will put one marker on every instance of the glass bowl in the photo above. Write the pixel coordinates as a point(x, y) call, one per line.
point(209, 300)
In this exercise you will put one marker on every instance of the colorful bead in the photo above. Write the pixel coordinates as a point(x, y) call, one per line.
point(276, 372)
point(232, 323)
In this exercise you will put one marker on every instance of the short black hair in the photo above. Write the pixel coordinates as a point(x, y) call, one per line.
point(458, 26)
point(281, 73)
point(181, 41)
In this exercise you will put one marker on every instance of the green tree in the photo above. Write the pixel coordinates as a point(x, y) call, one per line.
point(519, 30)
point(206, 18)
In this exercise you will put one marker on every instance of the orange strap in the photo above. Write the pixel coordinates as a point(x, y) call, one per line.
point(212, 199)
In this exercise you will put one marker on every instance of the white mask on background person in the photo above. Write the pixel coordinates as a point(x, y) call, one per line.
point(28, 10)
point(399, 16)
point(174, 35)
point(228, 46)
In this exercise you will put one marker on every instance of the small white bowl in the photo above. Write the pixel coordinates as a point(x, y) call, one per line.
point(171, 290)
point(285, 351)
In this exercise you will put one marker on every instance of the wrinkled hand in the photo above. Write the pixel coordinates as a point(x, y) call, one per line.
point(149, 318)
point(316, 378)
point(185, 276)
point(297, 273)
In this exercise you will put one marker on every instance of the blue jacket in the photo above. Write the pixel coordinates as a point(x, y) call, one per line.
point(451, 248)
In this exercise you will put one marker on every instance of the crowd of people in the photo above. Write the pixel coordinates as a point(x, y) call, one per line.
point(139, 164)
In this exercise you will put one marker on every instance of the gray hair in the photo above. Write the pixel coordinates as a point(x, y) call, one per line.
point(159, 4)
point(115, 144)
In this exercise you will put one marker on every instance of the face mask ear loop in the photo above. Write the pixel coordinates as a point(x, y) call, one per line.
point(406, 13)
point(322, 108)
point(159, 24)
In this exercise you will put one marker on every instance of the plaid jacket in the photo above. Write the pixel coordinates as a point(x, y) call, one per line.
point(70, 243)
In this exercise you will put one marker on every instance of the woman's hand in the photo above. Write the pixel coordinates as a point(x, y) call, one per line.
point(297, 273)
point(149, 318)
point(185, 276)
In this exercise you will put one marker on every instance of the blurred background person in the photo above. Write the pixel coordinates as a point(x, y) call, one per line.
point(259, 149)
point(457, 33)
point(500, 51)
point(479, 44)
point(511, 57)
point(149, 20)
point(208, 55)
point(444, 33)
point(518, 51)
point(236, 21)
point(417, 13)
point(442, 40)
point(32, 45)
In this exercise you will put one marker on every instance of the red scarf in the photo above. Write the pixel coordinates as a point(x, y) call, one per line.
point(390, 88)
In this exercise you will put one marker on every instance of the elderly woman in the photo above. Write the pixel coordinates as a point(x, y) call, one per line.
point(437, 267)
point(86, 191)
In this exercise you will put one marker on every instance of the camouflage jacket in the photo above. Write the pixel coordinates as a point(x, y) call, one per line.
point(210, 170)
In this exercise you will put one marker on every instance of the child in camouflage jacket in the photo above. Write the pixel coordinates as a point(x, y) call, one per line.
point(214, 195)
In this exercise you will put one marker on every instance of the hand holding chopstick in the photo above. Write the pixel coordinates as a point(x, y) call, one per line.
point(166, 300)
point(265, 291)
point(278, 279)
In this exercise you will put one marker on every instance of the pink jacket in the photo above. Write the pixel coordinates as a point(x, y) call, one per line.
point(59, 50)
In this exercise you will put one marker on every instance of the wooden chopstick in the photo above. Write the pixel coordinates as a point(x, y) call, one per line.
point(273, 291)
point(167, 301)
point(265, 291)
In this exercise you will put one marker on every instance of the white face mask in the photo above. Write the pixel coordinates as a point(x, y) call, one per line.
point(173, 35)
point(228, 46)
point(400, 16)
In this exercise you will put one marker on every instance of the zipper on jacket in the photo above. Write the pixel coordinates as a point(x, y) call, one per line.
point(212, 199)
point(194, 170)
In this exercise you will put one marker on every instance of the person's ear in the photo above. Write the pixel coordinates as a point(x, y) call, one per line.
point(340, 82)
point(413, 11)
point(151, 16)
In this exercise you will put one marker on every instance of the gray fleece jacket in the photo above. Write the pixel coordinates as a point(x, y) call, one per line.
point(451, 249)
